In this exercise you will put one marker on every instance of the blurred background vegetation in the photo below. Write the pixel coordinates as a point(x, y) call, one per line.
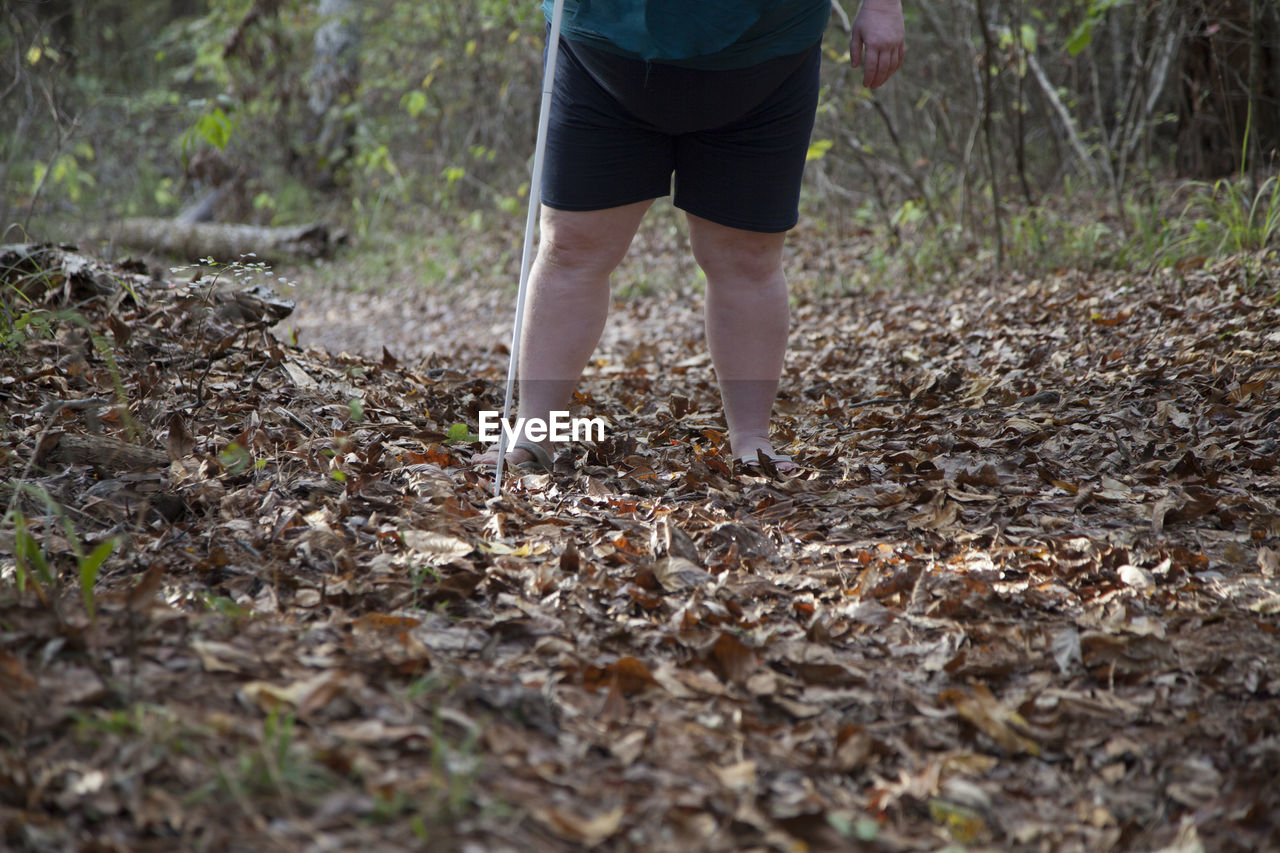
point(1020, 133)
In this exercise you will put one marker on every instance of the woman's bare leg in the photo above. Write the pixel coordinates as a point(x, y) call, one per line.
point(747, 320)
point(567, 305)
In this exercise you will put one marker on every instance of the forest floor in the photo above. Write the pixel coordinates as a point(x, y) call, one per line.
point(1024, 595)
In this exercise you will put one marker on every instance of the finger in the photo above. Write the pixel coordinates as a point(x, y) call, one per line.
point(885, 64)
point(890, 65)
point(855, 50)
point(873, 74)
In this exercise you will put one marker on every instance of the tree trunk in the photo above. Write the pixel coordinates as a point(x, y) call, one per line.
point(1226, 43)
point(193, 240)
point(335, 73)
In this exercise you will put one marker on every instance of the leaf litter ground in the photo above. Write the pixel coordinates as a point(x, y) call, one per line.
point(1025, 595)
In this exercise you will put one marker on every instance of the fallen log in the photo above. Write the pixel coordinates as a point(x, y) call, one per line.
point(191, 241)
point(102, 452)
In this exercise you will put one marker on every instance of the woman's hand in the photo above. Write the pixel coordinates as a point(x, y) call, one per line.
point(878, 42)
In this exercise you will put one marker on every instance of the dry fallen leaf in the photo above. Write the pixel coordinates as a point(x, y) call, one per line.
point(735, 660)
point(587, 831)
point(981, 708)
point(436, 547)
point(676, 574)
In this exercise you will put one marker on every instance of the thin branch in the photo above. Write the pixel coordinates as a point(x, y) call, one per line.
point(845, 23)
point(916, 184)
point(1159, 77)
point(988, 62)
point(1064, 116)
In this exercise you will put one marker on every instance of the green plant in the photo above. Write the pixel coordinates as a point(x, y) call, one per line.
point(32, 564)
point(21, 319)
point(1240, 221)
point(460, 432)
point(227, 608)
point(275, 767)
point(1233, 216)
point(420, 573)
point(66, 171)
point(1226, 218)
point(454, 770)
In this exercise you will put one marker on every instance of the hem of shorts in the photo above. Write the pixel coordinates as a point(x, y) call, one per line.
point(741, 224)
point(588, 206)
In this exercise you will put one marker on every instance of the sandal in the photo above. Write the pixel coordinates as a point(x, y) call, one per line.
point(539, 461)
point(768, 463)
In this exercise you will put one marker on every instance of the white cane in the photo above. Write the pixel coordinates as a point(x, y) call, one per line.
point(526, 256)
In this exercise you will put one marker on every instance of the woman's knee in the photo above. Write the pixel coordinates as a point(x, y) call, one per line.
point(589, 242)
point(732, 254)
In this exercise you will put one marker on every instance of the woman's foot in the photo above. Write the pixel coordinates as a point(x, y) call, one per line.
point(752, 451)
point(524, 456)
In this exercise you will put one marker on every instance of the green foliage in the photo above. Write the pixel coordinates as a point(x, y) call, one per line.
point(275, 767)
point(227, 609)
point(90, 565)
point(67, 173)
point(30, 563)
point(20, 319)
point(213, 127)
point(1228, 217)
point(1095, 12)
point(461, 432)
point(34, 566)
point(454, 768)
point(441, 126)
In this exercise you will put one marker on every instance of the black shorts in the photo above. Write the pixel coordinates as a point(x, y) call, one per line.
point(736, 140)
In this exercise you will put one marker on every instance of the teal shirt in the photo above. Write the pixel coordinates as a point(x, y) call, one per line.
point(706, 34)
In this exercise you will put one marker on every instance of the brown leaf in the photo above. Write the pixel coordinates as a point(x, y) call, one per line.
point(306, 696)
point(853, 748)
point(677, 573)
point(570, 561)
point(668, 540)
point(435, 547)
point(735, 660)
point(223, 657)
point(985, 713)
point(1125, 656)
point(13, 674)
point(941, 513)
point(627, 674)
point(736, 777)
point(142, 593)
point(179, 442)
point(579, 829)
point(1268, 562)
point(384, 623)
point(459, 586)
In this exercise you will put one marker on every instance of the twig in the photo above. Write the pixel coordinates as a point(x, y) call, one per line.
point(907, 171)
point(1068, 125)
point(988, 63)
point(17, 58)
point(1159, 76)
point(873, 401)
point(845, 23)
point(1124, 451)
